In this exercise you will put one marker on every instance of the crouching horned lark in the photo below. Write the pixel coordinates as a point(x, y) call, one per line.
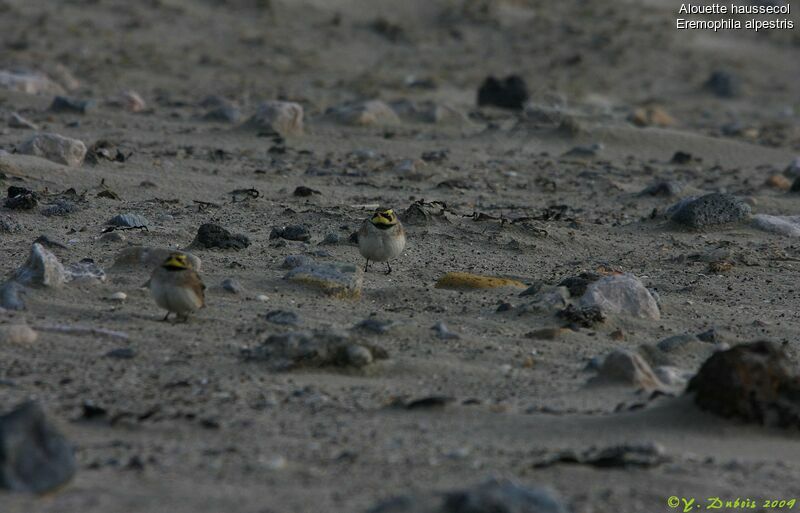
point(176, 287)
point(381, 238)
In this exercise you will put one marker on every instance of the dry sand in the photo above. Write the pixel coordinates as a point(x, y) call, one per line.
point(200, 430)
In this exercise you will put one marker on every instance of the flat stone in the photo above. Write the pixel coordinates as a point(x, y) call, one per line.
point(469, 281)
point(377, 326)
point(285, 118)
point(493, 496)
point(129, 220)
point(621, 294)
point(788, 226)
point(756, 382)
point(55, 148)
point(342, 280)
point(295, 232)
point(625, 367)
point(42, 269)
point(314, 349)
point(128, 100)
point(374, 112)
point(66, 104)
point(215, 236)
point(679, 342)
point(710, 210)
point(21, 334)
point(146, 259)
point(282, 317)
point(34, 456)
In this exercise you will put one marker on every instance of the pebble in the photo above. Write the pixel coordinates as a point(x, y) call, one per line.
point(724, 84)
point(263, 298)
point(65, 104)
point(20, 198)
point(373, 112)
point(284, 118)
point(227, 113)
point(629, 368)
point(302, 191)
point(331, 238)
point(59, 208)
point(56, 148)
point(17, 121)
point(42, 269)
point(21, 334)
point(663, 188)
point(36, 458)
point(756, 382)
point(292, 232)
point(283, 318)
point(377, 326)
point(358, 356)
point(781, 225)
point(711, 335)
point(709, 210)
point(494, 495)
point(211, 235)
point(232, 285)
point(508, 93)
point(292, 261)
point(443, 332)
point(129, 100)
point(121, 353)
point(341, 280)
point(469, 281)
point(652, 115)
point(621, 294)
point(779, 182)
point(118, 297)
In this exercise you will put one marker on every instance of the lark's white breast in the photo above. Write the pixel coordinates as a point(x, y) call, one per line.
point(180, 300)
point(381, 245)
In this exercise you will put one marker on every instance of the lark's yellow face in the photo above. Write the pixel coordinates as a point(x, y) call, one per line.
point(384, 218)
point(176, 262)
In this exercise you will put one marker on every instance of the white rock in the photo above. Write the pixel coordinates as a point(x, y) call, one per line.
point(286, 118)
point(118, 297)
point(621, 294)
point(17, 334)
point(782, 225)
point(41, 269)
point(56, 148)
point(28, 82)
point(262, 298)
point(129, 100)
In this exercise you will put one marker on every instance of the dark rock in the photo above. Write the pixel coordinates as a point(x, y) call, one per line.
point(314, 349)
point(710, 210)
point(332, 238)
point(303, 192)
point(34, 456)
point(224, 114)
point(232, 285)
point(532, 290)
point(585, 317)
point(376, 326)
point(711, 335)
point(577, 284)
point(504, 307)
point(293, 232)
point(663, 188)
point(64, 104)
point(128, 220)
point(681, 157)
point(796, 185)
point(282, 317)
point(60, 207)
point(121, 353)
point(293, 261)
point(509, 93)
point(493, 496)
point(20, 198)
point(755, 382)
point(724, 84)
point(215, 236)
point(10, 293)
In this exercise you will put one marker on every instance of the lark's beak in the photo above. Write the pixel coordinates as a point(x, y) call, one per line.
point(385, 218)
point(176, 262)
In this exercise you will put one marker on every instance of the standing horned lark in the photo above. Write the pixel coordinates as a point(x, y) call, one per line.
point(381, 238)
point(176, 287)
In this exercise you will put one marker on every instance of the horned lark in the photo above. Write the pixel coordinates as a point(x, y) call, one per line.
point(176, 287)
point(381, 238)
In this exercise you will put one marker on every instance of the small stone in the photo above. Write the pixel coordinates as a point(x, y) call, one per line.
point(577, 284)
point(710, 210)
point(28, 82)
point(782, 225)
point(443, 332)
point(20, 334)
point(677, 342)
point(10, 293)
point(129, 100)
point(232, 285)
point(331, 238)
point(293, 232)
point(59, 208)
point(292, 261)
point(779, 182)
point(358, 356)
point(628, 368)
point(793, 169)
point(215, 236)
point(118, 297)
point(65, 104)
point(121, 353)
point(508, 93)
point(129, 220)
point(341, 280)
point(56, 148)
point(621, 294)
point(146, 259)
point(41, 269)
point(283, 318)
point(284, 118)
point(652, 115)
point(17, 121)
point(227, 113)
point(20, 198)
point(111, 237)
point(681, 158)
point(724, 84)
point(663, 188)
point(468, 281)
point(303, 192)
point(85, 271)
point(756, 382)
point(586, 317)
point(584, 152)
point(263, 298)
point(374, 112)
point(377, 326)
point(34, 456)
point(711, 335)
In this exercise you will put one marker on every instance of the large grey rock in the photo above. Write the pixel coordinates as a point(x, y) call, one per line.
point(621, 294)
point(493, 496)
point(34, 456)
point(709, 210)
point(285, 118)
point(56, 148)
point(340, 280)
point(42, 269)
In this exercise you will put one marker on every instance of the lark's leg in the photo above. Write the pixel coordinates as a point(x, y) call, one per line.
point(366, 266)
point(389, 268)
point(166, 317)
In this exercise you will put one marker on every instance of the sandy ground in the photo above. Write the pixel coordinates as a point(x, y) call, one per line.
point(203, 431)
